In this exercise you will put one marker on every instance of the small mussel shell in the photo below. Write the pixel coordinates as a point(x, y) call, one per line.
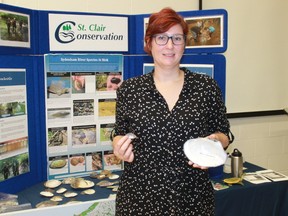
point(113, 176)
point(52, 183)
point(82, 183)
point(69, 194)
point(46, 203)
point(104, 183)
point(88, 191)
point(105, 172)
point(56, 198)
point(68, 180)
point(97, 175)
point(47, 193)
point(114, 188)
point(61, 190)
point(131, 136)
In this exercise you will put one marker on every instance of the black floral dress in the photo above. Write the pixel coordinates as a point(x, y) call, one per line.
point(159, 181)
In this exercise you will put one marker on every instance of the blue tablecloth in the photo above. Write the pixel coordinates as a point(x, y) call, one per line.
point(266, 199)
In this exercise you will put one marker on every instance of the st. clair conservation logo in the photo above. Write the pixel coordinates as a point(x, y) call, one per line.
point(64, 32)
point(69, 31)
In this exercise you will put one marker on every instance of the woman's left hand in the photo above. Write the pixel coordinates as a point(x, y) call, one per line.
point(194, 165)
point(221, 137)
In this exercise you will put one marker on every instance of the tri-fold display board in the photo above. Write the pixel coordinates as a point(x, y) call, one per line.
point(59, 72)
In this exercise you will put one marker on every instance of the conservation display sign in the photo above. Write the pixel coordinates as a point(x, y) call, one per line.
point(80, 112)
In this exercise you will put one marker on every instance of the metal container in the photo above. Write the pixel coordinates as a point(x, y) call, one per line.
point(236, 163)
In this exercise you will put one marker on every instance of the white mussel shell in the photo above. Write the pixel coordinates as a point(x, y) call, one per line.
point(88, 191)
point(56, 198)
point(47, 193)
point(81, 183)
point(52, 183)
point(114, 188)
point(61, 190)
point(104, 183)
point(98, 176)
point(105, 172)
point(113, 176)
point(68, 180)
point(131, 136)
point(69, 194)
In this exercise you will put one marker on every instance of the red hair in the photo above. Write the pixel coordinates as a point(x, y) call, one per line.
point(161, 22)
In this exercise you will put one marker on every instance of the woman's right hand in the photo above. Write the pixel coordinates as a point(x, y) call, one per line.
point(123, 148)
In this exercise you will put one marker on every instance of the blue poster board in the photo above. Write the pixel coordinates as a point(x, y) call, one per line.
point(29, 55)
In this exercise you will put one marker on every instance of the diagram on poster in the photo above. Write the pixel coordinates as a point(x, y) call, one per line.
point(80, 112)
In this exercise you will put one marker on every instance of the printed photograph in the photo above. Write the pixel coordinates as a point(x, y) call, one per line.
point(108, 81)
point(57, 137)
point(205, 32)
point(58, 85)
point(14, 166)
point(107, 107)
point(58, 165)
point(105, 133)
point(12, 109)
point(83, 135)
point(111, 161)
point(83, 107)
point(14, 29)
point(63, 113)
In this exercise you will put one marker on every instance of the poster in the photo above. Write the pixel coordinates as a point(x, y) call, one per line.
point(80, 112)
point(14, 157)
point(74, 32)
point(14, 29)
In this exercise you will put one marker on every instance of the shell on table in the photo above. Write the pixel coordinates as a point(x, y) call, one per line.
point(61, 190)
point(70, 194)
point(105, 172)
point(105, 183)
point(46, 203)
point(46, 193)
point(98, 176)
point(53, 183)
point(57, 198)
point(68, 180)
point(88, 191)
point(81, 183)
point(113, 176)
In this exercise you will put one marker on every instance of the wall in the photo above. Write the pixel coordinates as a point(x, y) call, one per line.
point(256, 65)
point(262, 140)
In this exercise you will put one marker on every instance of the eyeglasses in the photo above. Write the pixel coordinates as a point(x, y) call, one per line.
point(162, 39)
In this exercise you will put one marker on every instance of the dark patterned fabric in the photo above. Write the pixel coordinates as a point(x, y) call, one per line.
point(159, 181)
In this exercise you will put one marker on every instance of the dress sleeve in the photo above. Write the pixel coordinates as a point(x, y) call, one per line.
point(218, 121)
point(121, 124)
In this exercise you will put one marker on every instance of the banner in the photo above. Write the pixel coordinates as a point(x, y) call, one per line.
point(88, 33)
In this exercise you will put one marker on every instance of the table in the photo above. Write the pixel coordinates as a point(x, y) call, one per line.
point(32, 194)
point(266, 199)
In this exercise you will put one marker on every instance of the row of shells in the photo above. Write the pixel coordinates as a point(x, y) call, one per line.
point(76, 183)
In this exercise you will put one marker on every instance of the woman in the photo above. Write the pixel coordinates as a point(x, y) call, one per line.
point(164, 109)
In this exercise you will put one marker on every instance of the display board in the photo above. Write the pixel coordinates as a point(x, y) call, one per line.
point(80, 112)
point(58, 89)
point(29, 169)
point(18, 30)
